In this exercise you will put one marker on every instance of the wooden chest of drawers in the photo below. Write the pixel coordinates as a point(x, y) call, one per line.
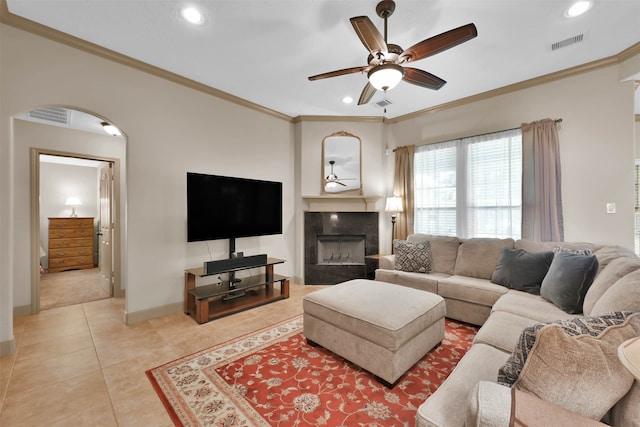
point(70, 244)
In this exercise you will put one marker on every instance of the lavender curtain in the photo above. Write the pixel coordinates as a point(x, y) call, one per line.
point(403, 187)
point(541, 182)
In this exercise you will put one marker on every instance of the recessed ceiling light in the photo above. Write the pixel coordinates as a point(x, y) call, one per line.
point(192, 15)
point(347, 100)
point(578, 8)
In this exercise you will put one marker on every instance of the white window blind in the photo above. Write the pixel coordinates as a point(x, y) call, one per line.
point(470, 187)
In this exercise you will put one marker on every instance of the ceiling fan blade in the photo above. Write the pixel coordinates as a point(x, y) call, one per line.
point(340, 72)
point(422, 78)
point(367, 94)
point(438, 43)
point(369, 35)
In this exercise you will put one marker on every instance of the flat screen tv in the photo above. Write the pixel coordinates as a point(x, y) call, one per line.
point(224, 207)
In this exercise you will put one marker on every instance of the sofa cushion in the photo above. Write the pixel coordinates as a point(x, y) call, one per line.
point(610, 274)
point(422, 281)
point(568, 280)
point(522, 270)
point(530, 306)
point(606, 254)
point(622, 295)
point(470, 289)
point(579, 373)
point(412, 256)
point(502, 330)
point(589, 325)
point(478, 257)
point(444, 251)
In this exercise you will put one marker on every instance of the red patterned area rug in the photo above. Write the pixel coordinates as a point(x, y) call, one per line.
point(274, 378)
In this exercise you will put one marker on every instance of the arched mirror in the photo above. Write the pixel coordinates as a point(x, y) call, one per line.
point(341, 172)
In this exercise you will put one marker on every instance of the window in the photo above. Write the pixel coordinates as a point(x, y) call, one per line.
point(470, 187)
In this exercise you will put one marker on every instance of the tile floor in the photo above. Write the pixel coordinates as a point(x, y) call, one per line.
point(81, 365)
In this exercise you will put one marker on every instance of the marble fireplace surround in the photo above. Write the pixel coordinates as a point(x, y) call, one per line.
point(356, 220)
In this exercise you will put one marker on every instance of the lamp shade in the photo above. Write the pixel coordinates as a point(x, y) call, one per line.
point(629, 354)
point(386, 76)
point(394, 204)
point(72, 201)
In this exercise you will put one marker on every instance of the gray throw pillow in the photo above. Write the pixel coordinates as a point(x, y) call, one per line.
point(568, 280)
point(412, 256)
point(522, 270)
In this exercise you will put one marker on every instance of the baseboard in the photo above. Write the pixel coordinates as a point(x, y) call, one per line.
point(22, 310)
point(7, 347)
point(152, 313)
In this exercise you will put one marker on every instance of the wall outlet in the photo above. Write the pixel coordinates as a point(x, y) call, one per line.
point(611, 208)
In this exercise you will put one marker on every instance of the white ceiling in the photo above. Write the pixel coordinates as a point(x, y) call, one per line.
point(263, 51)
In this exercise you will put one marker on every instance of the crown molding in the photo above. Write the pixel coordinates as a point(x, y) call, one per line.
point(547, 78)
point(24, 24)
point(27, 25)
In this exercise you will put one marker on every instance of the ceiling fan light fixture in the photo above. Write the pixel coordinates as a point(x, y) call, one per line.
point(386, 76)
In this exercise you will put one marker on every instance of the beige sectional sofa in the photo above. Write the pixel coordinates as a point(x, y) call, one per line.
point(461, 272)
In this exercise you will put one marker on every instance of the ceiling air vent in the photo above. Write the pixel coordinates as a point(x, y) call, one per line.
point(567, 42)
point(58, 115)
point(383, 103)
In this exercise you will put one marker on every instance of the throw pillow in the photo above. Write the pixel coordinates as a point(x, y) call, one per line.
point(589, 325)
point(571, 251)
point(580, 373)
point(412, 256)
point(568, 280)
point(521, 270)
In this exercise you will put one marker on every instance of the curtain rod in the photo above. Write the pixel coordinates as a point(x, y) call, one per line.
point(557, 121)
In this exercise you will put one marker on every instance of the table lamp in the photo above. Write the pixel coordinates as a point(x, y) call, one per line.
point(73, 202)
point(629, 354)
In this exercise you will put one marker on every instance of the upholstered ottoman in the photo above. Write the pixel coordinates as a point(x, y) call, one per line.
point(381, 327)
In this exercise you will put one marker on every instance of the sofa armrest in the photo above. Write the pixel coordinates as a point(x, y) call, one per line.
point(493, 405)
point(489, 405)
point(387, 262)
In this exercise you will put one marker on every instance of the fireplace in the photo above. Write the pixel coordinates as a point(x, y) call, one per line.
point(336, 246)
point(340, 249)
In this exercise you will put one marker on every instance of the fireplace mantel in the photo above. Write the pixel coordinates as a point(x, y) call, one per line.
point(341, 203)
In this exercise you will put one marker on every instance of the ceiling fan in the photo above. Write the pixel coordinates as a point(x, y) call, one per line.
point(332, 180)
point(386, 61)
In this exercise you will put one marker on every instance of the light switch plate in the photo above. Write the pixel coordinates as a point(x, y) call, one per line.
point(611, 208)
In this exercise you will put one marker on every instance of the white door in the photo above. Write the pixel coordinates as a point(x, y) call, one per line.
point(105, 228)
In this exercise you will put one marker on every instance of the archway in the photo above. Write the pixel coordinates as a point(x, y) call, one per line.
point(70, 133)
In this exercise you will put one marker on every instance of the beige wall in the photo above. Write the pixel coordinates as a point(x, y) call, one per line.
point(170, 130)
point(596, 144)
point(309, 136)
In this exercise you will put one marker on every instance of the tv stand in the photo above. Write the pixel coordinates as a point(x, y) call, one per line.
point(226, 297)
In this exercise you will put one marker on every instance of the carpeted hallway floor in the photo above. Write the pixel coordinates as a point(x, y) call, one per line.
point(70, 287)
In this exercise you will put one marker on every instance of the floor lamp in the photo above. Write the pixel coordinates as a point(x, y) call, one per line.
point(394, 205)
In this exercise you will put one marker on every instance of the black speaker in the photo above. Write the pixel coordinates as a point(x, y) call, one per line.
point(224, 265)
